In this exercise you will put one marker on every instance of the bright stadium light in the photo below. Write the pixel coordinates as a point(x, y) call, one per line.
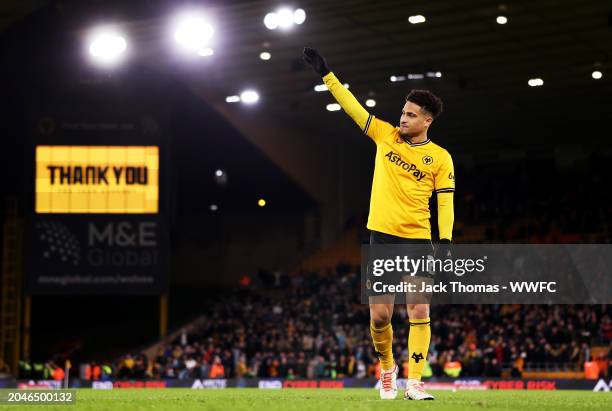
point(284, 18)
point(213, 207)
point(271, 21)
point(333, 107)
point(501, 20)
point(597, 74)
point(393, 79)
point(299, 16)
point(232, 99)
point(261, 202)
point(219, 173)
point(416, 19)
point(249, 97)
point(193, 33)
point(415, 76)
point(535, 82)
point(107, 46)
point(370, 102)
point(206, 52)
point(265, 55)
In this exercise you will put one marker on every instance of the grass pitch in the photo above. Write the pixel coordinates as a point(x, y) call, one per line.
point(351, 399)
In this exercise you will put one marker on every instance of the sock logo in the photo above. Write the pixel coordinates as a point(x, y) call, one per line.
point(417, 357)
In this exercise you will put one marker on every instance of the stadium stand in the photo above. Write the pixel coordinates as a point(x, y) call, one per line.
point(304, 330)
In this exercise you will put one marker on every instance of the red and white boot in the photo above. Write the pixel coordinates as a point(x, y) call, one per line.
point(388, 383)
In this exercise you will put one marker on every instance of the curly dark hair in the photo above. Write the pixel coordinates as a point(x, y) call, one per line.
point(427, 100)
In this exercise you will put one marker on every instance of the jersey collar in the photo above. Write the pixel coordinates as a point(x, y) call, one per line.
point(422, 143)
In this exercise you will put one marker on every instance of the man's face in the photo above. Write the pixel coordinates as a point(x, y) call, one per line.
point(414, 120)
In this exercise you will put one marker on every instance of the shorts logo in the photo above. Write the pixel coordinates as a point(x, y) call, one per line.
point(427, 160)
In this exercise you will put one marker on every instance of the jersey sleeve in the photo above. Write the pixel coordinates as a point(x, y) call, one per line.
point(446, 215)
point(370, 125)
point(444, 181)
point(376, 129)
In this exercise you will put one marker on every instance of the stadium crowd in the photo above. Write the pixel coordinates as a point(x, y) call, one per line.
point(312, 326)
point(537, 202)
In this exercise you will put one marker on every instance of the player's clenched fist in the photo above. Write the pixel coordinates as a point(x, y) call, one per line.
point(318, 63)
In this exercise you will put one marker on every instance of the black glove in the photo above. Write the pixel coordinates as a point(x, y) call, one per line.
point(312, 57)
point(444, 250)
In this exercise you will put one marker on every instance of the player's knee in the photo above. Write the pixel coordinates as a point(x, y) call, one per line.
point(416, 311)
point(380, 318)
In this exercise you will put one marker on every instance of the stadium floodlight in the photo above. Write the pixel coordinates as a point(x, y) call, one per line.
point(597, 74)
point(370, 102)
point(333, 107)
point(232, 99)
point(261, 202)
point(393, 79)
point(433, 74)
point(107, 46)
point(284, 18)
point(417, 19)
point(220, 177)
point(205, 52)
point(193, 33)
point(535, 82)
point(299, 16)
point(271, 21)
point(415, 76)
point(214, 207)
point(249, 97)
point(265, 55)
point(501, 19)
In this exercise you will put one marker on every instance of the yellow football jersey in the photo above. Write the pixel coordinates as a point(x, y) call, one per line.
point(405, 176)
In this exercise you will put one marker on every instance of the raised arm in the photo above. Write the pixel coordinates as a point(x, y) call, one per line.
point(345, 98)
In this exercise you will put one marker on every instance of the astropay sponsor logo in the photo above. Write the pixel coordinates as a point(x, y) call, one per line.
point(602, 385)
point(396, 159)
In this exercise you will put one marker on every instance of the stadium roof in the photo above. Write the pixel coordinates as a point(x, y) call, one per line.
point(485, 66)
